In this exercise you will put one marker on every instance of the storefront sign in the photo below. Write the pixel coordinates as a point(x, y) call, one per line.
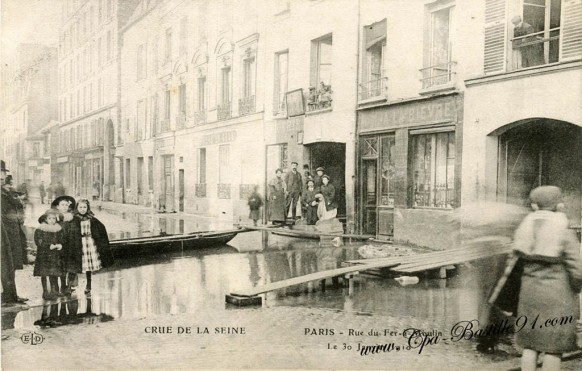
point(219, 138)
point(408, 114)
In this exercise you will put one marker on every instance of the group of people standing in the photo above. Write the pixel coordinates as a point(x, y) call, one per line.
point(69, 240)
point(315, 194)
point(50, 191)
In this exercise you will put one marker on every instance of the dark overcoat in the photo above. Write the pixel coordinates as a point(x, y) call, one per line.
point(12, 226)
point(307, 199)
point(75, 244)
point(328, 191)
point(48, 262)
point(277, 190)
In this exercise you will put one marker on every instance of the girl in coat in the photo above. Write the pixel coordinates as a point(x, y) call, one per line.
point(310, 203)
point(48, 266)
point(65, 205)
point(90, 242)
point(551, 279)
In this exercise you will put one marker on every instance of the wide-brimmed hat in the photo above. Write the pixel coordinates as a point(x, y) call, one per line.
point(3, 165)
point(320, 169)
point(71, 200)
point(43, 217)
point(546, 197)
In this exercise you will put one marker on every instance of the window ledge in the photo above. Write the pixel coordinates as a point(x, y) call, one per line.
point(377, 99)
point(319, 111)
point(527, 72)
point(439, 88)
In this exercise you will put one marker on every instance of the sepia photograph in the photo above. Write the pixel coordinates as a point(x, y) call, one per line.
point(291, 184)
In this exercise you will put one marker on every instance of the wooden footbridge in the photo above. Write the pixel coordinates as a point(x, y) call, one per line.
point(404, 265)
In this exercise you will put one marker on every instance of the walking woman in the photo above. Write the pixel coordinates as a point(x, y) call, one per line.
point(90, 242)
point(551, 280)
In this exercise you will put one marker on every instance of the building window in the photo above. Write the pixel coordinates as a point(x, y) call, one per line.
point(128, 173)
point(439, 67)
point(373, 74)
point(141, 119)
point(140, 176)
point(320, 92)
point(247, 102)
point(151, 172)
point(141, 62)
point(109, 8)
point(224, 171)
point(321, 61)
point(183, 35)
point(155, 116)
point(202, 93)
point(225, 85)
point(182, 97)
point(536, 33)
point(99, 93)
point(434, 170)
point(281, 81)
point(168, 46)
point(201, 184)
point(109, 45)
point(167, 112)
point(99, 53)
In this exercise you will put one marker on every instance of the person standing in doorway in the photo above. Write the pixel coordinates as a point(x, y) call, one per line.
point(328, 191)
point(531, 48)
point(42, 192)
point(294, 186)
point(12, 241)
point(306, 173)
point(277, 191)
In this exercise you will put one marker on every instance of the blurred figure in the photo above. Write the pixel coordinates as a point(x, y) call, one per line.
point(551, 280)
point(255, 202)
point(42, 192)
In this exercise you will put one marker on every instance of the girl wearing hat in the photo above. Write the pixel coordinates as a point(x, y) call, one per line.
point(90, 242)
point(551, 280)
point(65, 206)
point(48, 238)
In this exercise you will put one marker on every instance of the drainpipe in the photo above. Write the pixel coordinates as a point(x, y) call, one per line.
point(356, 206)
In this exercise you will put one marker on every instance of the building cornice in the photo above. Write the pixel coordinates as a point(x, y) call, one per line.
point(104, 108)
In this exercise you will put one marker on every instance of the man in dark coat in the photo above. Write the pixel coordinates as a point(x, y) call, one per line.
point(13, 243)
point(532, 53)
point(294, 183)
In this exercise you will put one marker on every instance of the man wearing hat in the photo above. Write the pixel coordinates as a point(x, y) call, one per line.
point(294, 186)
point(13, 243)
point(317, 178)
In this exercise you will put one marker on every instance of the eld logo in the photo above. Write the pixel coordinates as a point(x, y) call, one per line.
point(32, 338)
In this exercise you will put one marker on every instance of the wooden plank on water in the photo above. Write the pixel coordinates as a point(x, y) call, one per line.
point(413, 268)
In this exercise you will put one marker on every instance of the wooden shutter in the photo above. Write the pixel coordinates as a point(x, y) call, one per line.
point(571, 29)
point(495, 36)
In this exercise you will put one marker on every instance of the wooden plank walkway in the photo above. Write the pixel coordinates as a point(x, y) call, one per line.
point(406, 264)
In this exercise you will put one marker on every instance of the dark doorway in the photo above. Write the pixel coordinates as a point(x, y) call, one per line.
point(332, 156)
point(541, 152)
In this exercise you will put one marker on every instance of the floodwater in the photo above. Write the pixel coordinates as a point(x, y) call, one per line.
point(197, 281)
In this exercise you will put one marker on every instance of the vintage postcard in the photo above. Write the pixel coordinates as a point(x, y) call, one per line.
point(291, 184)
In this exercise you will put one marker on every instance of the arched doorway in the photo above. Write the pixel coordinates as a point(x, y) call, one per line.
point(540, 151)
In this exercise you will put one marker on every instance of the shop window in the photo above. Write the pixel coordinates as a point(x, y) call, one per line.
point(374, 80)
point(433, 169)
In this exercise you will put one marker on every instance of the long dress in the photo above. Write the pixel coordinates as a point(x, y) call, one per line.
point(552, 277)
point(277, 188)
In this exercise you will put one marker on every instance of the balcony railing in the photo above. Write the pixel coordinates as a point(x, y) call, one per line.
point(199, 117)
point(319, 98)
point(224, 191)
point(536, 49)
point(223, 111)
point(164, 125)
point(374, 88)
point(439, 74)
point(200, 190)
point(246, 105)
point(181, 121)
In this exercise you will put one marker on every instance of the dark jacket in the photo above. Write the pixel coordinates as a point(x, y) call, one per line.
point(14, 239)
point(294, 182)
point(310, 211)
point(328, 191)
point(48, 262)
point(99, 235)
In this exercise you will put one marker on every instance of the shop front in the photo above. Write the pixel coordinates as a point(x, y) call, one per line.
point(408, 166)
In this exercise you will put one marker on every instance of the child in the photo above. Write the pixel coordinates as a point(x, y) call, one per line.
point(65, 206)
point(551, 279)
point(255, 203)
point(90, 242)
point(48, 237)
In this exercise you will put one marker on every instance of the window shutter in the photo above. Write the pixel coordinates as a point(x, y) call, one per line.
point(495, 35)
point(572, 29)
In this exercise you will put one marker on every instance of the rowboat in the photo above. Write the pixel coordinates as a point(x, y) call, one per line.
point(170, 242)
